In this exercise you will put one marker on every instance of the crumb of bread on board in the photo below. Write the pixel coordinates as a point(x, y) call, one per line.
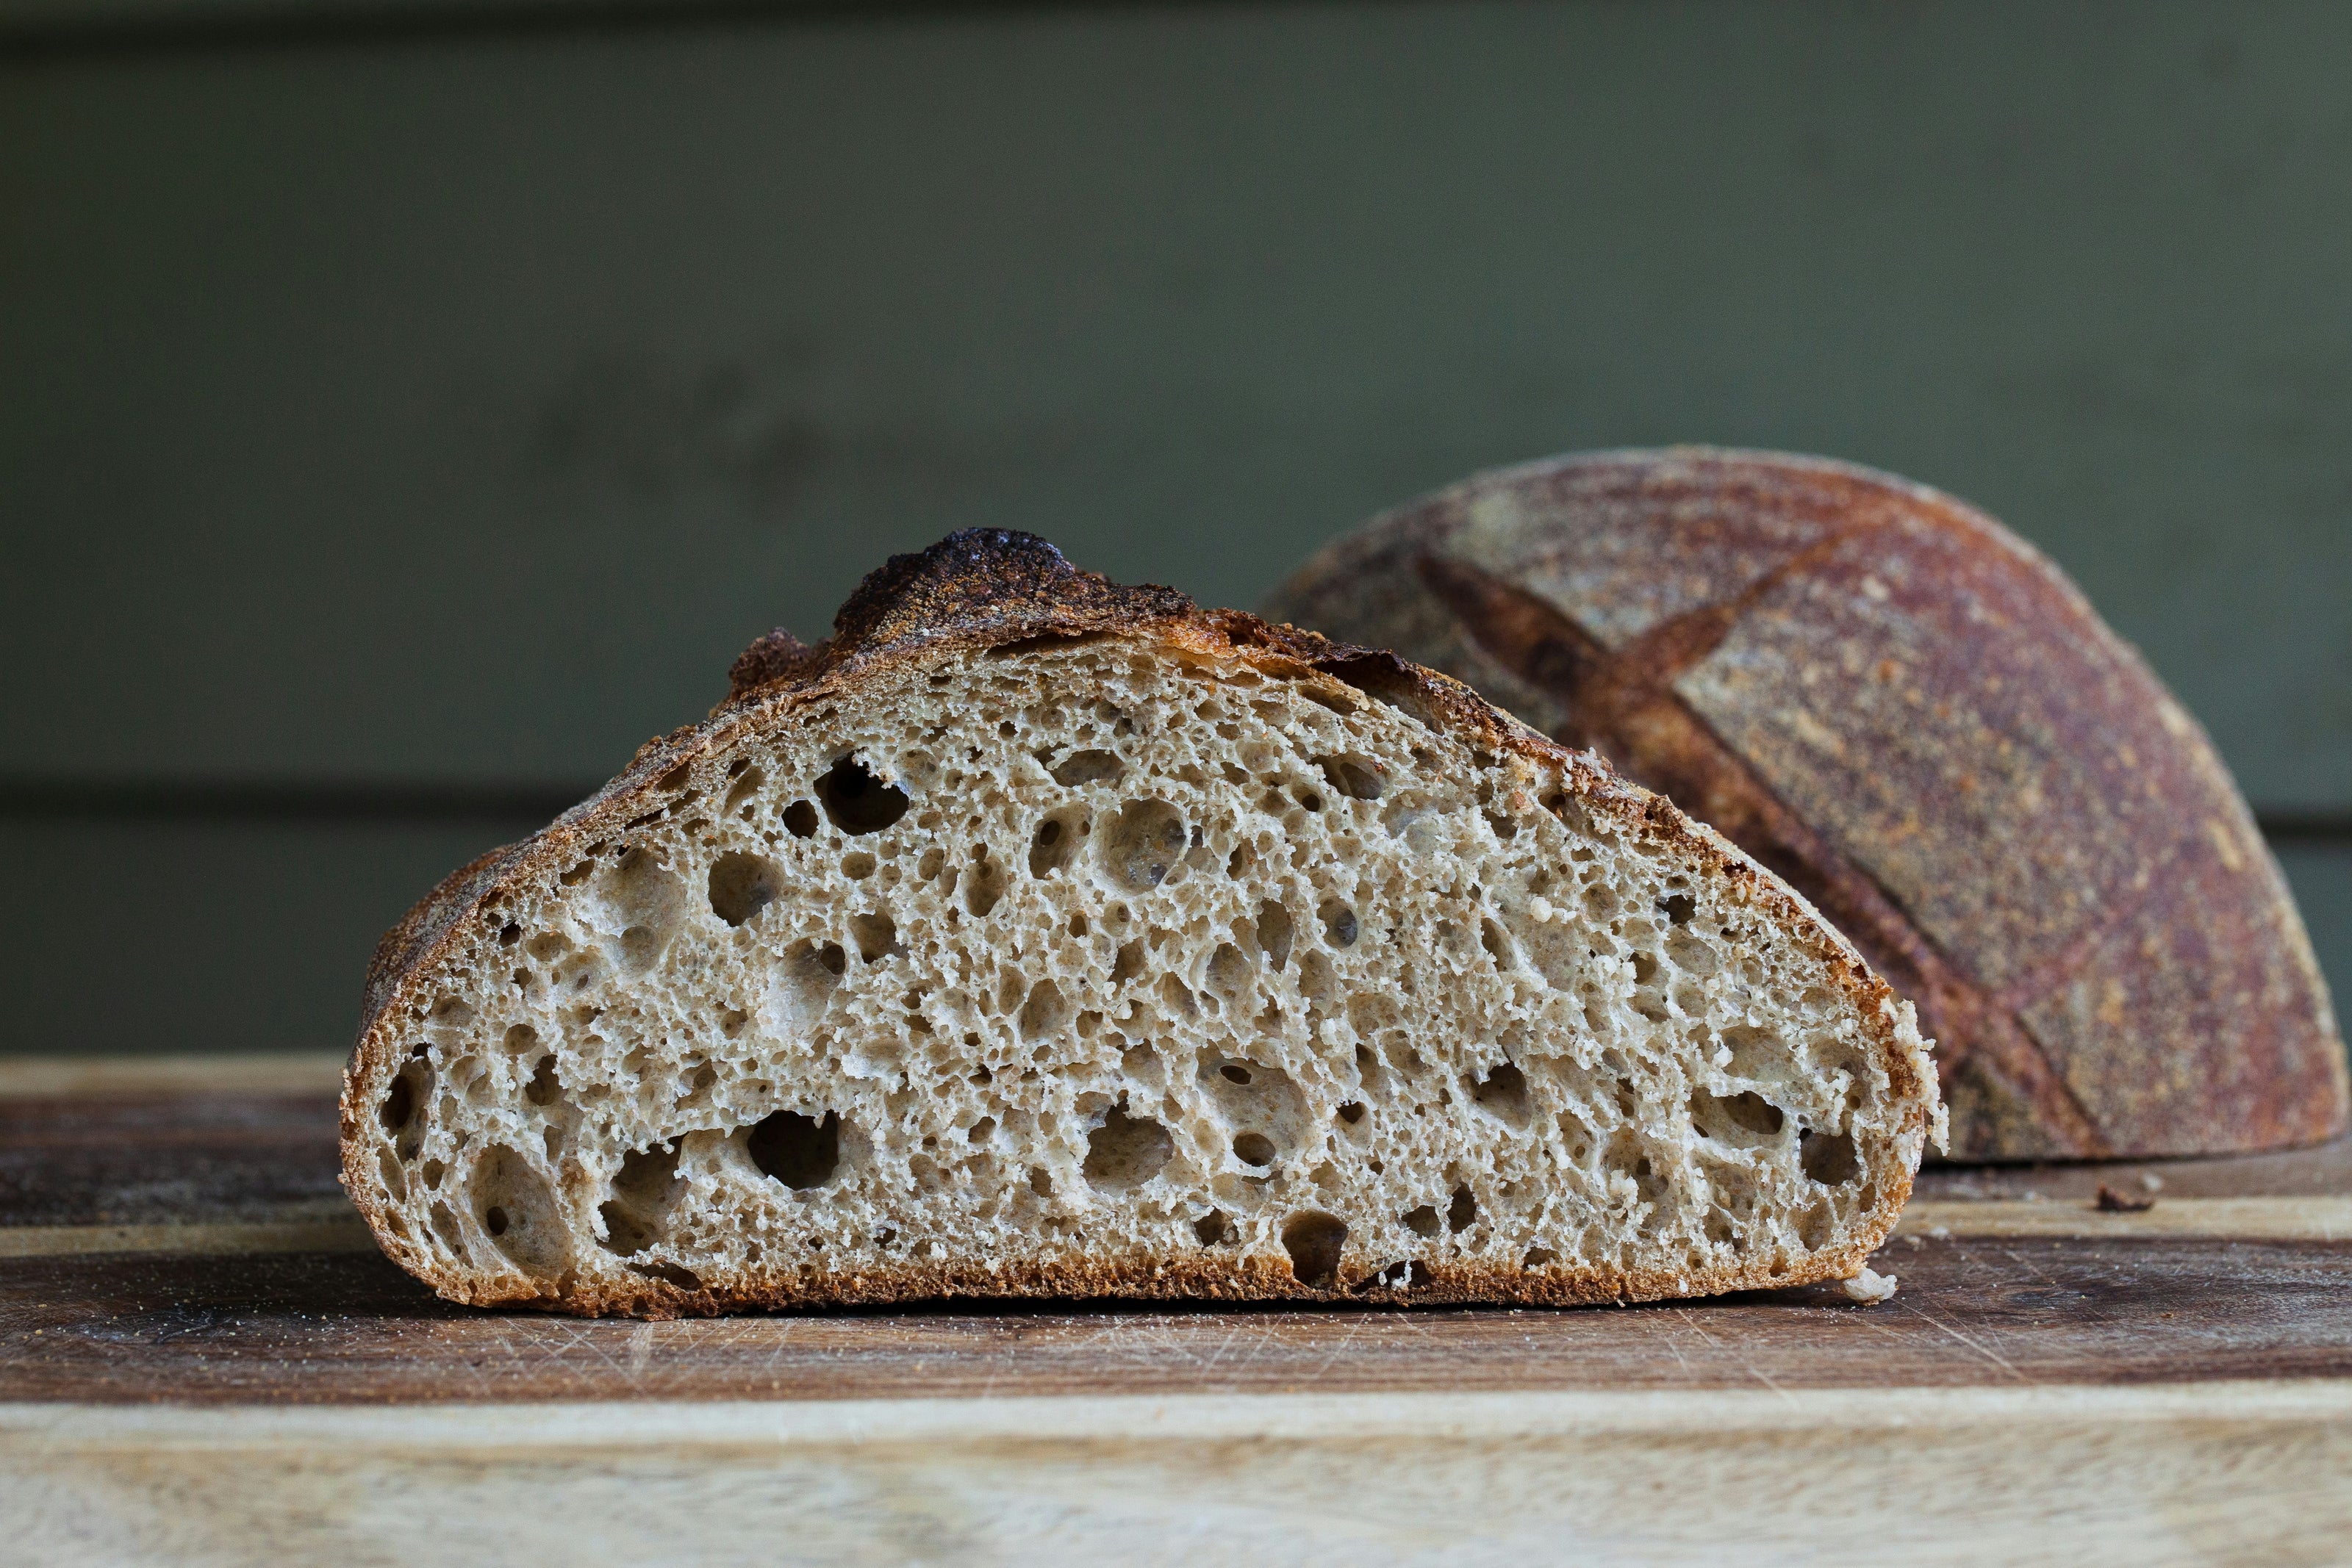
point(1869, 1287)
point(2110, 1201)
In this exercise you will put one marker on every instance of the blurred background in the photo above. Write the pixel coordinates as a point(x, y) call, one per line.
point(408, 406)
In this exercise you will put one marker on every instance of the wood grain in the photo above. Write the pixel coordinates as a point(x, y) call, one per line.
point(2225, 1472)
point(317, 1327)
point(202, 1359)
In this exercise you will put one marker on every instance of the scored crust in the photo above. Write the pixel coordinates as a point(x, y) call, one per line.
point(994, 590)
point(1915, 719)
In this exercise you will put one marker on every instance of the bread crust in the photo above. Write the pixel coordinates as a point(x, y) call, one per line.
point(1914, 718)
point(987, 589)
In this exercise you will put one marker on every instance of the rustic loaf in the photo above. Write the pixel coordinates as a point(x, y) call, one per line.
point(1034, 934)
point(1914, 718)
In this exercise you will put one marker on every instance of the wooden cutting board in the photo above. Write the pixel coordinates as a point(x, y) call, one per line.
point(203, 1358)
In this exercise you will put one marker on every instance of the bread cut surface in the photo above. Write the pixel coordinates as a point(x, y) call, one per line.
point(1035, 935)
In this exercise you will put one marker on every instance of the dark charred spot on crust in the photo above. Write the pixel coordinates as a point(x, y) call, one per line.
point(977, 586)
point(776, 656)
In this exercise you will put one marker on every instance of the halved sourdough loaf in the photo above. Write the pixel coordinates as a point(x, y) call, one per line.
point(1034, 936)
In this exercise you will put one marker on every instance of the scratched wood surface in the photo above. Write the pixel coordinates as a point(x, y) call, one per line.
point(204, 1359)
point(171, 1233)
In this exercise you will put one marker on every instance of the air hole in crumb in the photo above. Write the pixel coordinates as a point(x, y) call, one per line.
point(1234, 1075)
point(399, 1105)
point(1077, 922)
point(1828, 1157)
point(983, 884)
point(1357, 778)
point(1678, 907)
point(1421, 1221)
point(1253, 1149)
point(1749, 1111)
point(1057, 840)
point(856, 801)
point(982, 1130)
point(675, 778)
point(1044, 1012)
point(1274, 932)
point(1540, 1257)
point(1143, 843)
point(858, 865)
point(544, 1088)
point(1089, 767)
point(796, 1150)
point(1310, 798)
point(1126, 1150)
point(509, 935)
point(743, 884)
point(1338, 922)
point(800, 819)
point(877, 935)
point(748, 780)
point(669, 1274)
point(517, 1207)
point(1314, 1242)
point(643, 1191)
point(1128, 963)
point(1213, 1228)
point(1463, 1212)
point(1351, 1112)
point(1502, 1095)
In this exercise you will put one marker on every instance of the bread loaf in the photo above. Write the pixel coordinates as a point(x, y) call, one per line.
point(1914, 718)
point(1038, 936)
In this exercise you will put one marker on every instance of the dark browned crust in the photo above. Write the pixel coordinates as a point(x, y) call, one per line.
point(2177, 1011)
point(982, 590)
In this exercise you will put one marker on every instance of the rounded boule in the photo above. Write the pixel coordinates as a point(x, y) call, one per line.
point(1918, 721)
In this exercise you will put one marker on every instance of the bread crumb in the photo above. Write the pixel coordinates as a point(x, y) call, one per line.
point(2151, 1181)
point(1539, 908)
point(1940, 1232)
point(1869, 1288)
point(2110, 1201)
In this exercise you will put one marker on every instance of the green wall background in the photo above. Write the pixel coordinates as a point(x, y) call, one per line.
point(438, 407)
